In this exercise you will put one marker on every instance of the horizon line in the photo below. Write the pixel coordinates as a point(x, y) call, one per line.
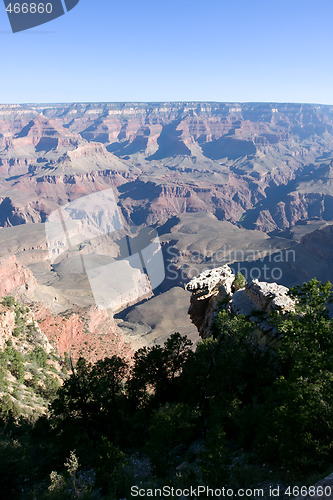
point(162, 102)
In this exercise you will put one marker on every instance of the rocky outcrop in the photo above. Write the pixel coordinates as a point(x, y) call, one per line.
point(209, 289)
point(214, 289)
point(14, 277)
point(91, 333)
point(261, 296)
point(8, 323)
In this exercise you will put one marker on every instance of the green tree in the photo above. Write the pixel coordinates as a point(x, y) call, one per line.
point(171, 430)
point(107, 386)
point(109, 375)
point(157, 370)
point(178, 352)
point(299, 407)
point(312, 298)
point(75, 405)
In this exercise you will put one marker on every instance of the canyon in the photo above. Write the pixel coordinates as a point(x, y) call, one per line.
point(244, 184)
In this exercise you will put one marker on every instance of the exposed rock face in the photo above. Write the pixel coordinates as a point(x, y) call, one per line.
point(261, 296)
point(213, 290)
point(208, 290)
point(8, 324)
point(92, 333)
point(207, 282)
point(257, 163)
point(13, 276)
point(320, 242)
point(32, 199)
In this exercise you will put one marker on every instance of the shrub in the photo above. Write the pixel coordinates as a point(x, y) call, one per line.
point(109, 466)
point(8, 301)
point(215, 460)
point(239, 282)
point(39, 357)
point(17, 369)
point(16, 332)
point(51, 387)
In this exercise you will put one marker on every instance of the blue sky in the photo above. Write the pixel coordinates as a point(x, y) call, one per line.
point(212, 50)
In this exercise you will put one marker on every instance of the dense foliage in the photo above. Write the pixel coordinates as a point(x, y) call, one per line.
point(241, 409)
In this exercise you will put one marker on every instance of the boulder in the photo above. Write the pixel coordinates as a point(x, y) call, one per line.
point(213, 290)
point(209, 290)
point(261, 296)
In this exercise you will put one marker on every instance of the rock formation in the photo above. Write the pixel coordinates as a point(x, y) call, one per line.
point(209, 290)
point(8, 323)
point(214, 289)
point(14, 276)
point(255, 162)
point(91, 333)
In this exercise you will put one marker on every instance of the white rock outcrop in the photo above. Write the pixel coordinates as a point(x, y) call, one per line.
point(213, 290)
point(209, 289)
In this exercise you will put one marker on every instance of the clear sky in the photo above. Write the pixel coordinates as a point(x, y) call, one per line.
point(173, 50)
